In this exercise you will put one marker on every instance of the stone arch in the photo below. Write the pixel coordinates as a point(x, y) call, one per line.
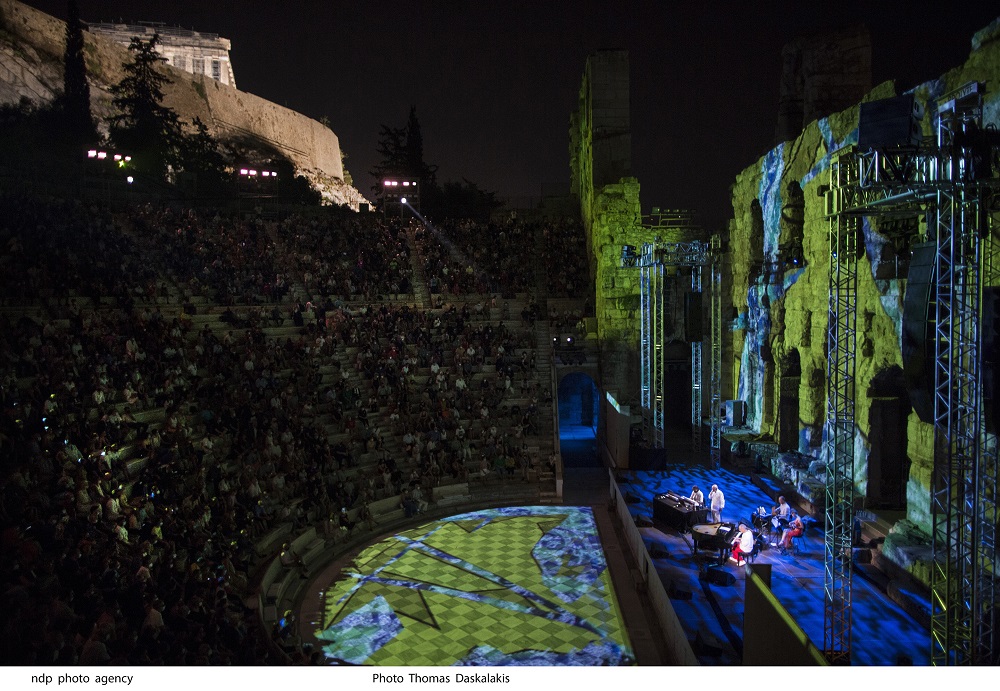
point(888, 468)
point(790, 379)
point(677, 385)
point(792, 224)
point(579, 411)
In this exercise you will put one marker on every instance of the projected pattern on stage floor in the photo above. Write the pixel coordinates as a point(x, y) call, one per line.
point(512, 586)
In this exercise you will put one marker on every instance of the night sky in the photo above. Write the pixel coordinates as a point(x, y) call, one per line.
point(494, 83)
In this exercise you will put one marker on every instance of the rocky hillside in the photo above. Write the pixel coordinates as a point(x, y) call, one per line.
point(31, 56)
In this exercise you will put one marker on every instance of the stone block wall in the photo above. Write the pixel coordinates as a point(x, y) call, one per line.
point(822, 73)
point(786, 309)
point(600, 164)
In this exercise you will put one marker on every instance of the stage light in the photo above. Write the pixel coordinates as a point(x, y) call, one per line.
point(243, 171)
point(253, 172)
point(266, 174)
point(402, 200)
point(129, 179)
point(406, 183)
point(92, 153)
point(118, 157)
point(386, 183)
point(128, 158)
point(102, 155)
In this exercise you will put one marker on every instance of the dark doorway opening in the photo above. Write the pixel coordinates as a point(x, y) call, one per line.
point(888, 464)
point(579, 402)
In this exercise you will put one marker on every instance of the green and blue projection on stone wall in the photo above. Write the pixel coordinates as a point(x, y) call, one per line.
point(512, 586)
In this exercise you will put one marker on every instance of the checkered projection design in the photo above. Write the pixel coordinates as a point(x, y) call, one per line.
point(514, 586)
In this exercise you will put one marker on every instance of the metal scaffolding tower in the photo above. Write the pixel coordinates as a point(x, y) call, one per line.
point(988, 589)
point(956, 610)
point(715, 372)
point(948, 182)
point(840, 423)
point(656, 303)
point(696, 372)
point(652, 308)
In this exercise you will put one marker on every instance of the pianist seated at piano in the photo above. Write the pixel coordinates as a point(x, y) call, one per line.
point(743, 544)
point(697, 496)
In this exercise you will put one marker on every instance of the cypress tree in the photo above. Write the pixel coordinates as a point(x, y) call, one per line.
point(76, 91)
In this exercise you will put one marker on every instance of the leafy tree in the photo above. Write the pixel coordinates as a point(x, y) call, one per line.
point(402, 152)
point(79, 124)
point(200, 152)
point(143, 125)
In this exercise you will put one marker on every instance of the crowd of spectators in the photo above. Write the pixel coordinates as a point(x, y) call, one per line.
point(466, 257)
point(564, 254)
point(148, 448)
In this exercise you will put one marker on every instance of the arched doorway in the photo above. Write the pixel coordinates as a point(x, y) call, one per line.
point(579, 402)
point(888, 464)
point(788, 402)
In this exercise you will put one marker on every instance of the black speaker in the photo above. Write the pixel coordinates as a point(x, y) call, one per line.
point(990, 329)
point(717, 576)
point(889, 122)
point(693, 331)
point(918, 331)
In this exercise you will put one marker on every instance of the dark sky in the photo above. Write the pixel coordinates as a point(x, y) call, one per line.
point(494, 83)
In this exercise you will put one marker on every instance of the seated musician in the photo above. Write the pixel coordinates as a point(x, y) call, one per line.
point(794, 529)
point(779, 518)
point(743, 544)
point(697, 496)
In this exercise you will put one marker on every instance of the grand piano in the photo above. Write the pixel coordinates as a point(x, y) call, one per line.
point(680, 513)
point(713, 536)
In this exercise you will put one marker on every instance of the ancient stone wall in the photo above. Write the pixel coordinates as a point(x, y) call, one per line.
point(34, 43)
point(600, 164)
point(821, 74)
point(782, 306)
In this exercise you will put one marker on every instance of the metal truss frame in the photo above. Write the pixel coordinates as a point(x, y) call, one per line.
point(840, 413)
point(715, 374)
point(696, 372)
point(988, 588)
point(656, 302)
point(937, 179)
point(958, 614)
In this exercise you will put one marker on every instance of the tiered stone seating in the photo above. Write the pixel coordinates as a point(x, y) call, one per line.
point(232, 446)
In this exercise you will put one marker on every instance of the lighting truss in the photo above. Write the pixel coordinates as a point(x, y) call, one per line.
point(715, 375)
point(657, 300)
point(840, 422)
point(947, 182)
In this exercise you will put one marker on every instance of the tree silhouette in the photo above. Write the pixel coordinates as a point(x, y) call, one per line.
point(143, 125)
point(79, 124)
point(402, 152)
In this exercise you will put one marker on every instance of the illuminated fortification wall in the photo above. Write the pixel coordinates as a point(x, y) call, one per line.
point(32, 45)
point(778, 340)
point(600, 168)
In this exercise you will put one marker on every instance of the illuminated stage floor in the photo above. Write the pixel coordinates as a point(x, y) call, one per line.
point(882, 633)
point(512, 586)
